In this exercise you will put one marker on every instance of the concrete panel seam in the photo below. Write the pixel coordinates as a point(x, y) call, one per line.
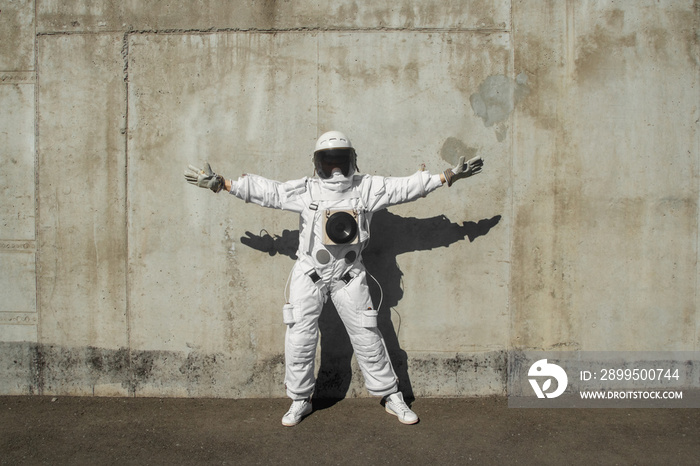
point(696, 337)
point(76, 33)
point(37, 223)
point(484, 31)
point(125, 133)
point(510, 235)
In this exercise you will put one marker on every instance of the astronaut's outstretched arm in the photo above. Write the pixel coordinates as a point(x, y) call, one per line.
point(389, 191)
point(252, 188)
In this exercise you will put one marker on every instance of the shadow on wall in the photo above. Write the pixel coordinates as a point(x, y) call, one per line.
point(335, 371)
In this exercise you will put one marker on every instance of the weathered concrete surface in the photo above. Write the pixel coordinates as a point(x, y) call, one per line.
point(81, 170)
point(239, 92)
point(31, 368)
point(186, 15)
point(581, 234)
point(18, 318)
point(18, 310)
point(17, 176)
point(605, 167)
point(17, 33)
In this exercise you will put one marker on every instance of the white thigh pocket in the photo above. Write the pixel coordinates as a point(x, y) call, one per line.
point(288, 314)
point(368, 318)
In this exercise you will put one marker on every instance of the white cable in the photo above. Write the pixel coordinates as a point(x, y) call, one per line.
point(366, 245)
point(289, 277)
point(381, 292)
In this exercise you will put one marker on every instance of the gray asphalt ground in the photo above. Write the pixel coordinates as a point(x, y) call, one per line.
point(148, 431)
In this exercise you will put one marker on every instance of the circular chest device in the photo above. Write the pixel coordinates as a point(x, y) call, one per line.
point(340, 227)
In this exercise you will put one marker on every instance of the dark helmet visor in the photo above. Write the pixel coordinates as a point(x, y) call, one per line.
point(328, 160)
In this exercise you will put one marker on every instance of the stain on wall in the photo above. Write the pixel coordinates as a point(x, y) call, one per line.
point(497, 97)
point(453, 148)
point(52, 370)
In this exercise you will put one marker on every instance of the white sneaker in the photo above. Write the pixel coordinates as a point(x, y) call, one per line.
point(395, 405)
point(296, 412)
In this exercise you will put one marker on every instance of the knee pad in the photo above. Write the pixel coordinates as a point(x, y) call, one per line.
point(301, 347)
point(370, 351)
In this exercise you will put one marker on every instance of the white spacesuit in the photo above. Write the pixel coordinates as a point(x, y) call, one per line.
point(335, 212)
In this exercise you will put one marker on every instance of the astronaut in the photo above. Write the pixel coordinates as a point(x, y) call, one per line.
point(335, 210)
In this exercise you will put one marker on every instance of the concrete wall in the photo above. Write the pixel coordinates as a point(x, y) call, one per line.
point(118, 278)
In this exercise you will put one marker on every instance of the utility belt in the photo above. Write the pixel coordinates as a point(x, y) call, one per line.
point(315, 277)
point(327, 278)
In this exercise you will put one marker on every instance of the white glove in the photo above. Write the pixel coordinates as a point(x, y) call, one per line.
point(205, 178)
point(463, 170)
